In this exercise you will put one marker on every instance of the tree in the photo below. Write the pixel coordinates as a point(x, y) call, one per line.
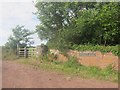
point(69, 23)
point(51, 18)
point(57, 15)
point(108, 17)
point(21, 37)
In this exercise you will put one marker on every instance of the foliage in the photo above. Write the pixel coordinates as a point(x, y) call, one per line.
point(102, 49)
point(69, 23)
point(72, 62)
point(108, 17)
point(56, 15)
point(50, 16)
point(21, 37)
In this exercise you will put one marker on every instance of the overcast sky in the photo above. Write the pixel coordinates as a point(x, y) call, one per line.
point(17, 12)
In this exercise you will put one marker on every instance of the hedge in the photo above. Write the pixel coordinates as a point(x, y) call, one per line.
point(103, 49)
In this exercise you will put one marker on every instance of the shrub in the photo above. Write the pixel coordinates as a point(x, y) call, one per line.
point(72, 62)
point(102, 49)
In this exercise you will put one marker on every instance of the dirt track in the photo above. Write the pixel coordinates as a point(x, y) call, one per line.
point(17, 75)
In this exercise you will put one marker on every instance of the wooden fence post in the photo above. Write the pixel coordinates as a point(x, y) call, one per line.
point(17, 50)
point(25, 52)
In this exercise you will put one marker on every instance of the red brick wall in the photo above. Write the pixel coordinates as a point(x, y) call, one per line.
point(90, 58)
point(95, 58)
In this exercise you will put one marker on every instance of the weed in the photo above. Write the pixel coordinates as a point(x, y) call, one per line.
point(72, 62)
point(72, 67)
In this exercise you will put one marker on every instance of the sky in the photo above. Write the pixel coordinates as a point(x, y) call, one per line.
point(17, 12)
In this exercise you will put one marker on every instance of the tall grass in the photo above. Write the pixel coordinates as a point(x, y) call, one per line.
point(8, 54)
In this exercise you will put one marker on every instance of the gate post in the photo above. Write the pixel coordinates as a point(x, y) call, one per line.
point(25, 52)
point(17, 50)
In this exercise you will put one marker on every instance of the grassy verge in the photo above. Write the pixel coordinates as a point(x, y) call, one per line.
point(71, 67)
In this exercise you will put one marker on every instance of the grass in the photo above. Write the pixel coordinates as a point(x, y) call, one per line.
point(9, 56)
point(73, 68)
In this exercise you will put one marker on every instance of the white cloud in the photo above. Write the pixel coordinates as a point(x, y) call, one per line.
point(15, 0)
point(17, 13)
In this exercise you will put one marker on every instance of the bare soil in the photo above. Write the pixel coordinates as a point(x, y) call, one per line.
point(16, 75)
